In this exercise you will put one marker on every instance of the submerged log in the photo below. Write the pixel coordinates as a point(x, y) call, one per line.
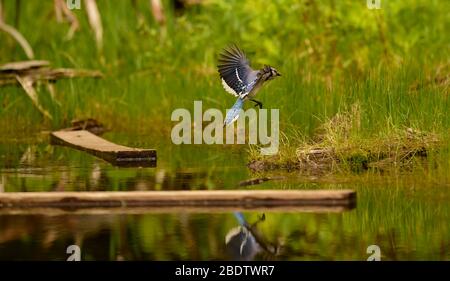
point(118, 155)
point(256, 181)
point(194, 198)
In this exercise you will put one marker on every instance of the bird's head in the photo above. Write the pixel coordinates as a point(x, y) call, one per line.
point(269, 73)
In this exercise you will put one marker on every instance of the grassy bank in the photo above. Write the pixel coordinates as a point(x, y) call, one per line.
point(340, 144)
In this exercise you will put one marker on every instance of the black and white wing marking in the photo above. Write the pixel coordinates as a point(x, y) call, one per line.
point(235, 70)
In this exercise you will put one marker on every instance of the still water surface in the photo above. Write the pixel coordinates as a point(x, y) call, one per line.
point(408, 221)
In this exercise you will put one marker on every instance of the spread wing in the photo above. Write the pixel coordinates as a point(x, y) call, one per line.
point(235, 71)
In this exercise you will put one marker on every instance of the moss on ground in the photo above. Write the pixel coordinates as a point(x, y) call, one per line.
point(339, 146)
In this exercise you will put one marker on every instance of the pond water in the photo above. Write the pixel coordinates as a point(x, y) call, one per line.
point(405, 219)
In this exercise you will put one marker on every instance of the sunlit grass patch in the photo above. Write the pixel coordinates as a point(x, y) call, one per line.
point(339, 145)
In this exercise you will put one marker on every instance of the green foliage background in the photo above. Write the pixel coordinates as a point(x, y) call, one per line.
point(332, 53)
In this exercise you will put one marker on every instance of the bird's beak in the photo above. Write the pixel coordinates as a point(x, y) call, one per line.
point(278, 74)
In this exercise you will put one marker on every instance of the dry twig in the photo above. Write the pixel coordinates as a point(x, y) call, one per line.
point(95, 21)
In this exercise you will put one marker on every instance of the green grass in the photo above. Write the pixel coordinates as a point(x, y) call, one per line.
point(331, 55)
point(340, 144)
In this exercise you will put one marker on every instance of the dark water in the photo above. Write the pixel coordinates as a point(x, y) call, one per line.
point(407, 220)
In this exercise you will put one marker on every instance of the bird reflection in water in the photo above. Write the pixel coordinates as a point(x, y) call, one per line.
point(244, 242)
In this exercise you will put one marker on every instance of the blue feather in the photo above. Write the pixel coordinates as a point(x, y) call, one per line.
point(240, 217)
point(233, 113)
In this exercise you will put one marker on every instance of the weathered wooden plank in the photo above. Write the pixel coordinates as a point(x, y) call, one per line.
point(48, 211)
point(115, 154)
point(192, 198)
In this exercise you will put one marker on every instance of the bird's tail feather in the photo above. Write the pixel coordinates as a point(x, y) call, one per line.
point(233, 113)
point(240, 217)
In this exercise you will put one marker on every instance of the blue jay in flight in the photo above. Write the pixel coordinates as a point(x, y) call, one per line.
point(240, 80)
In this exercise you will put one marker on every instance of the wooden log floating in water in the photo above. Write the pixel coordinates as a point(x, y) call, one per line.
point(115, 154)
point(100, 211)
point(193, 198)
